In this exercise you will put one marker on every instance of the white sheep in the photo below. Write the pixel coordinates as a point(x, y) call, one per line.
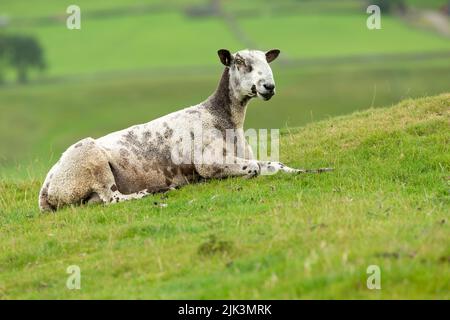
point(138, 161)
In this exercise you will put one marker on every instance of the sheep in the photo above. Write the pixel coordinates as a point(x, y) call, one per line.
point(138, 161)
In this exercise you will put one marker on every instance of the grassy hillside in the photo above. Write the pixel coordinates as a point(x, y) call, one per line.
point(281, 236)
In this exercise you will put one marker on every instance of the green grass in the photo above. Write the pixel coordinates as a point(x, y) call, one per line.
point(387, 203)
point(43, 8)
point(172, 40)
point(22, 9)
point(280, 236)
point(331, 35)
point(431, 4)
point(131, 43)
point(288, 6)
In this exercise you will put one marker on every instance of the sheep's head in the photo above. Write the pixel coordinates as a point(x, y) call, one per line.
point(250, 73)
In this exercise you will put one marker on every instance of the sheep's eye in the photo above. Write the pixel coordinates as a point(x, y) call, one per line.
point(239, 62)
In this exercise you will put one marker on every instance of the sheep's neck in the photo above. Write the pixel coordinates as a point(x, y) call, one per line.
point(226, 104)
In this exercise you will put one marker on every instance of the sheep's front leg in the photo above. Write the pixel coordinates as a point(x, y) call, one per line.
point(238, 167)
point(271, 167)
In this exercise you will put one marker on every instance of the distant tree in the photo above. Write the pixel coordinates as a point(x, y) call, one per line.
point(21, 53)
point(25, 53)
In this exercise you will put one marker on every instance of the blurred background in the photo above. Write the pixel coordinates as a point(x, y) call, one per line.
point(135, 60)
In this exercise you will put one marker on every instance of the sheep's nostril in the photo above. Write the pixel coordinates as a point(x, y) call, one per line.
point(269, 87)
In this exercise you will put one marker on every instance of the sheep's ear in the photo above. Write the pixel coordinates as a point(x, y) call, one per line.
point(272, 55)
point(225, 57)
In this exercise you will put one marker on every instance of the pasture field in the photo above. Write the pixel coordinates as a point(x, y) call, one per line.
point(50, 8)
point(131, 43)
point(22, 9)
point(346, 34)
point(431, 4)
point(305, 236)
point(160, 40)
